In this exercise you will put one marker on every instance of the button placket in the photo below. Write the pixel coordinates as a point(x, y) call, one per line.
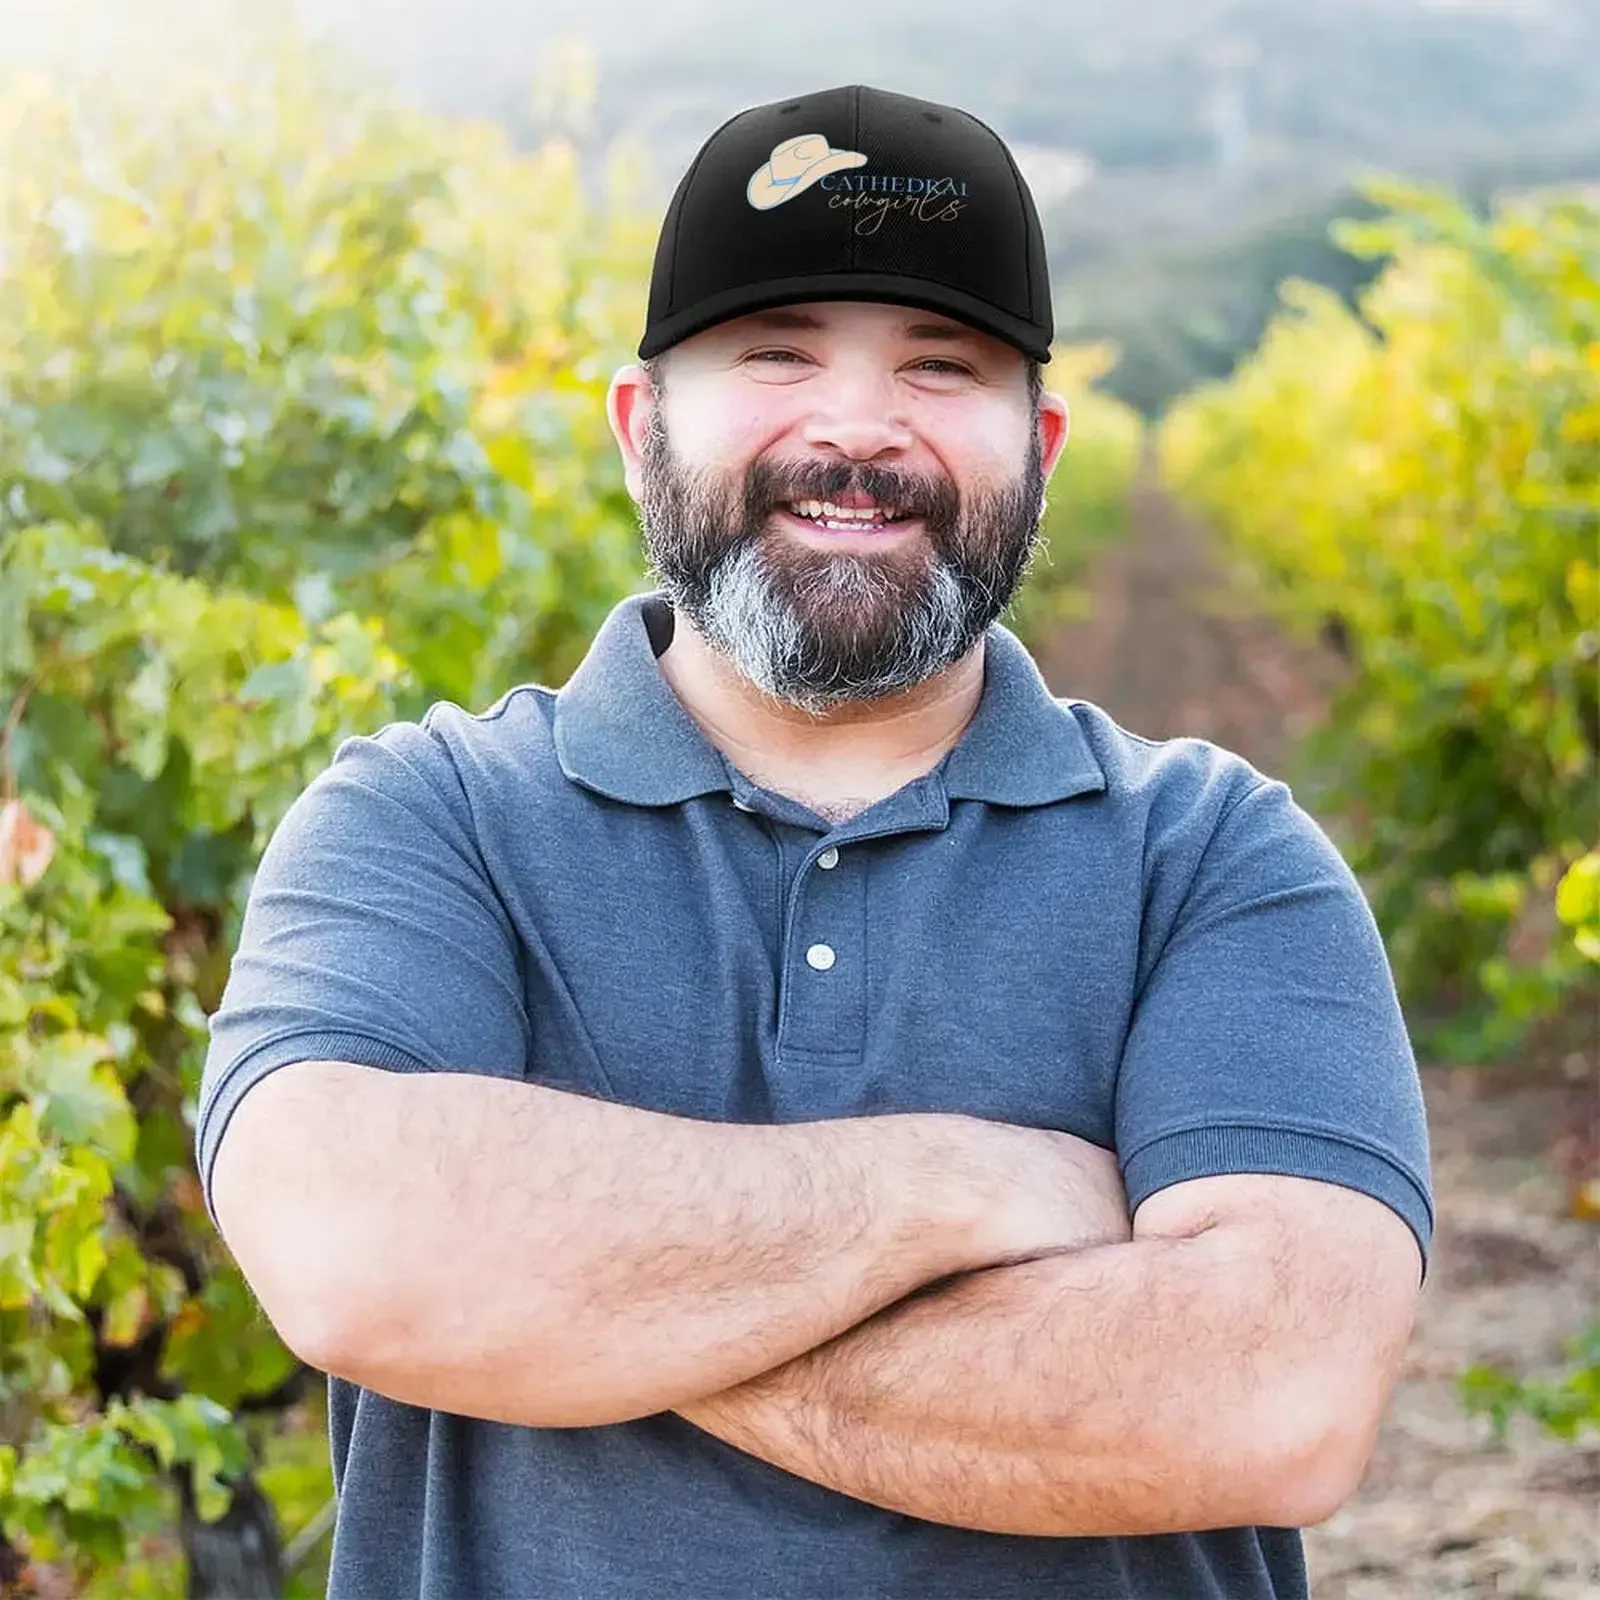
point(824, 1006)
point(821, 957)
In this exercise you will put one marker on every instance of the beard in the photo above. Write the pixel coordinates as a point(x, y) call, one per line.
point(814, 628)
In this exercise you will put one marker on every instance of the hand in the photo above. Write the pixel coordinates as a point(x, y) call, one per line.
point(1042, 1193)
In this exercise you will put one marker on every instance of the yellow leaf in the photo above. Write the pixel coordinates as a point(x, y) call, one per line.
point(126, 1316)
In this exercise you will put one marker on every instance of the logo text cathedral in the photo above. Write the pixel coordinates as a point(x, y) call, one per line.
point(887, 183)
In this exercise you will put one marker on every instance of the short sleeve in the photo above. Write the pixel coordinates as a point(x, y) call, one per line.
point(371, 934)
point(1268, 1036)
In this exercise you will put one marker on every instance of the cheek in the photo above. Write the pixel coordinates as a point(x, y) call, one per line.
point(986, 448)
point(726, 432)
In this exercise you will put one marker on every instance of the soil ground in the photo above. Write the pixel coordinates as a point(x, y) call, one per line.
point(1442, 1511)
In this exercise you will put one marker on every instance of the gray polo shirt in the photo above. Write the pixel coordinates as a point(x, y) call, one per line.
point(1063, 925)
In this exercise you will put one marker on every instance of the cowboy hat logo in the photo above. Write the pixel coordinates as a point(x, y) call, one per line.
point(795, 165)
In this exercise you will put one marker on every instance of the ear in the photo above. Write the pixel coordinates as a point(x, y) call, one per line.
point(629, 404)
point(1055, 423)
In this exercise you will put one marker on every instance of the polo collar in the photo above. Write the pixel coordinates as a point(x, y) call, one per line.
point(622, 732)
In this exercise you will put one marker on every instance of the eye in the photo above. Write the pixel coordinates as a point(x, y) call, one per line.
point(945, 366)
point(780, 355)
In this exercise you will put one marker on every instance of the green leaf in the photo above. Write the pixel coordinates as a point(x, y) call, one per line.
point(18, 1281)
point(78, 1099)
point(284, 682)
point(157, 457)
point(89, 1259)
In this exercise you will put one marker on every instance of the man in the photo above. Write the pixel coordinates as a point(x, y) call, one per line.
point(802, 1111)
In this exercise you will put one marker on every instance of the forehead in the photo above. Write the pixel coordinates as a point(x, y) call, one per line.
point(855, 319)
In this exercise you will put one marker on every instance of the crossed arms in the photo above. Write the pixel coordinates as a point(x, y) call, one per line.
point(944, 1316)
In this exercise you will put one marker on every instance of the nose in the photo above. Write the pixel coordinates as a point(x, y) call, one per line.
point(857, 413)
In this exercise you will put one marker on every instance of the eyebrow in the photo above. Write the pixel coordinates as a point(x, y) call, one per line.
point(943, 332)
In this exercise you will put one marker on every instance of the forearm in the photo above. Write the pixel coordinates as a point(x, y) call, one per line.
point(1126, 1389)
point(502, 1250)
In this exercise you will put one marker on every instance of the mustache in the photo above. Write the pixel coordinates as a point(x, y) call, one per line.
point(933, 499)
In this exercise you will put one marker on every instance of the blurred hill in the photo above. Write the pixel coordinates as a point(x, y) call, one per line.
point(1186, 153)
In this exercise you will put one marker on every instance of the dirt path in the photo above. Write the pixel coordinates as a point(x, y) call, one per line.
point(1171, 650)
point(1442, 1512)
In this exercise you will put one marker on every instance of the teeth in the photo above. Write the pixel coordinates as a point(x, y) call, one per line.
point(828, 511)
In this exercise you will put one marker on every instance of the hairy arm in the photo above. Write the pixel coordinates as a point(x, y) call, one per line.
point(1226, 1367)
point(442, 1226)
point(504, 1250)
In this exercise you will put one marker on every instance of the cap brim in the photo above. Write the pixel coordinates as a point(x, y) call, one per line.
point(879, 287)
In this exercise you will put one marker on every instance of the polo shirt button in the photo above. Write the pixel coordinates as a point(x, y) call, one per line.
point(741, 806)
point(820, 956)
point(828, 859)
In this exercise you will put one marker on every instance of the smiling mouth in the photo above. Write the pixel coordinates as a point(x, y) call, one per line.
point(827, 517)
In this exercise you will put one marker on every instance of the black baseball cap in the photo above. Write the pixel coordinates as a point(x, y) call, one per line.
point(852, 194)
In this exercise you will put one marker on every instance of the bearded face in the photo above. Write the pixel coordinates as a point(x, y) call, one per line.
point(817, 627)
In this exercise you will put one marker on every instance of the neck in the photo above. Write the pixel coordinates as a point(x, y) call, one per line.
point(900, 736)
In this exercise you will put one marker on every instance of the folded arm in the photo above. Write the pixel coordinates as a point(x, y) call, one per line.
point(1226, 1367)
point(443, 1227)
point(504, 1250)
